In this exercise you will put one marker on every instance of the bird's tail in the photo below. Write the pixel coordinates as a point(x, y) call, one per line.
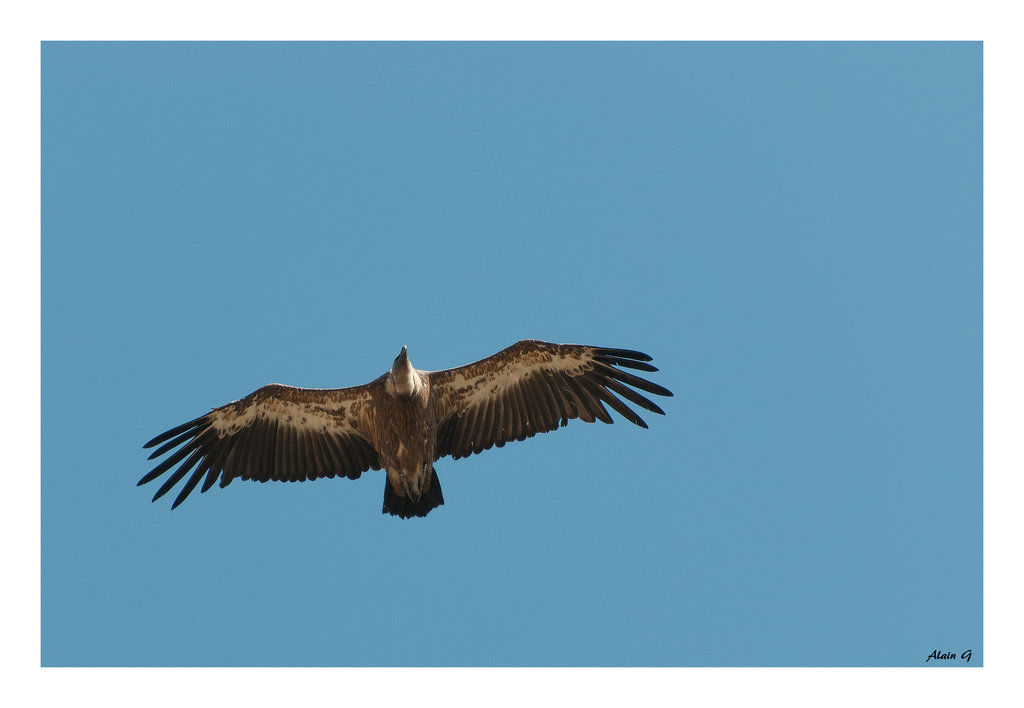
point(406, 508)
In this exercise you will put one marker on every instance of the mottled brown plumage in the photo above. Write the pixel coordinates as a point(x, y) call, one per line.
point(403, 421)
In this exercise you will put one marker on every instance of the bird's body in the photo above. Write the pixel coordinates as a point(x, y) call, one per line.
point(405, 432)
point(403, 421)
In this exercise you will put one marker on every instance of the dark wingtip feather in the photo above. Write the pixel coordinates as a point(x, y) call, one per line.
point(648, 404)
point(630, 395)
point(150, 476)
point(174, 431)
point(634, 381)
point(623, 353)
point(189, 486)
point(632, 417)
point(171, 444)
point(170, 482)
point(211, 479)
point(168, 463)
point(628, 363)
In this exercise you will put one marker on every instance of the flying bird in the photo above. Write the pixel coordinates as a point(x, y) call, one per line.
point(403, 421)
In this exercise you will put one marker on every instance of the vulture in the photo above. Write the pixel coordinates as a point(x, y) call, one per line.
point(403, 421)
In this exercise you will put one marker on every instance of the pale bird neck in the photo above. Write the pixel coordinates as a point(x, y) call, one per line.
point(403, 381)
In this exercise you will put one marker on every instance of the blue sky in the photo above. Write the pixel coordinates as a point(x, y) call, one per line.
point(793, 231)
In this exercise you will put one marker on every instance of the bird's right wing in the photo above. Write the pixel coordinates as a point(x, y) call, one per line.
point(275, 433)
point(535, 387)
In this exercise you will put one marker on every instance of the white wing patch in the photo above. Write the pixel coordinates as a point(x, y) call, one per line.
point(233, 417)
point(504, 379)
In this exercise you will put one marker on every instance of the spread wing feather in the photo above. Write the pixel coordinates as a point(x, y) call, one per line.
point(535, 387)
point(276, 433)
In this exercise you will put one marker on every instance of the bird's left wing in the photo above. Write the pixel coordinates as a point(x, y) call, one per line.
point(278, 433)
point(535, 387)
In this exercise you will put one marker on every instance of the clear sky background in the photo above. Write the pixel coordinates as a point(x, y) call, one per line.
point(793, 231)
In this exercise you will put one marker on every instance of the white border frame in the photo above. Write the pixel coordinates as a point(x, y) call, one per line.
point(992, 22)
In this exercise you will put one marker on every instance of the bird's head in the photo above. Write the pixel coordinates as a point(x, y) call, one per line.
point(402, 358)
